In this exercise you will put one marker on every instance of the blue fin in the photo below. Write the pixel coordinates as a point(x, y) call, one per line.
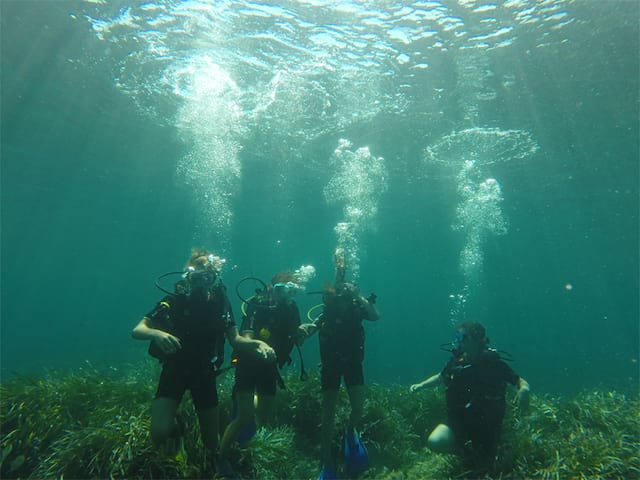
point(247, 432)
point(327, 473)
point(356, 457)
point(224, 470)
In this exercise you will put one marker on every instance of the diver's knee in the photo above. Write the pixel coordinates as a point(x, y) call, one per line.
point(441, 439)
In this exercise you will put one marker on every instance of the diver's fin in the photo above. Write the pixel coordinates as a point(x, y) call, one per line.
point(356, 458)
point(224, 470)
point(327, 473)
point(247, 432)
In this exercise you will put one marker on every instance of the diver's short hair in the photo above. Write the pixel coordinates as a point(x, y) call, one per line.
point(284, 277)
point(475, 330)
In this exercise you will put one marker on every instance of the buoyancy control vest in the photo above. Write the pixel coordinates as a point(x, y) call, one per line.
point(275, 325)
point(199, 324)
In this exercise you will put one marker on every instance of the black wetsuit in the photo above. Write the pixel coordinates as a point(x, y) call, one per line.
point(476, 402)
point(275, 325)
point(342, 343)
point(200, 325)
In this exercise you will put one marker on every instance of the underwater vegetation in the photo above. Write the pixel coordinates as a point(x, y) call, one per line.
point(93, 424)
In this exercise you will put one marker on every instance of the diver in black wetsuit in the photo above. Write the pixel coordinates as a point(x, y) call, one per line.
point(475, 379)
point(341, 336)
point(187, 331)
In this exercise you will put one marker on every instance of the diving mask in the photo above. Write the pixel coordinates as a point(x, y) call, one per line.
point(458, 338)
point(284, 291)
point(347, 291)
point(200, 279)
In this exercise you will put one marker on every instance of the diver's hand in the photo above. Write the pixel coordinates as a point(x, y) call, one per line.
point(304, 331)
point(265, 352)
point(300, 336)
point(522, 400)
point(166, 342)
point(415, 387)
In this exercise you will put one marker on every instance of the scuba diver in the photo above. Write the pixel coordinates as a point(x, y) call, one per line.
point(272, 316)
point(341, 336)
point(475, 379)
point(187, 330)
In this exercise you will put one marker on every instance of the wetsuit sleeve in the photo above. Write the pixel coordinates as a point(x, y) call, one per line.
point(446, 371)
point(245, 324)
point(247, 320)
point(159, 312)
point(508, 374)
point(296, 315)
point(228, 318)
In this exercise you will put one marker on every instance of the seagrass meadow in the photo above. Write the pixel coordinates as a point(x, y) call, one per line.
point(92, 424)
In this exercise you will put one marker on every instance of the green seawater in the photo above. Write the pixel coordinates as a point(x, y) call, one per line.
point(474, 161)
